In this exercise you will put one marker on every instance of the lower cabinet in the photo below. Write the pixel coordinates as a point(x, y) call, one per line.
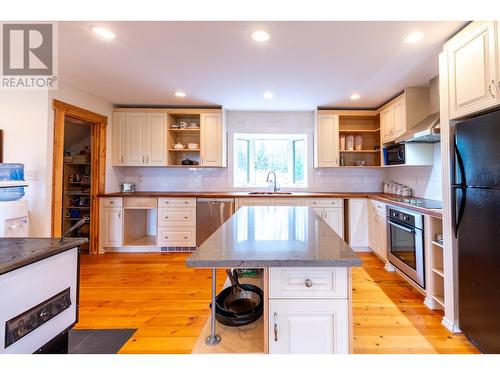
point(111, 227)
point(377, 229)
point(358, 224)
point(309, 310)
point(308, 326)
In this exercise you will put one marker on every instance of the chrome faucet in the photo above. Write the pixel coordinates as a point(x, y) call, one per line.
point(275, 187)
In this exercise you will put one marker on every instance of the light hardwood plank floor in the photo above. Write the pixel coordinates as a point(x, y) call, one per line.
point(168, 304)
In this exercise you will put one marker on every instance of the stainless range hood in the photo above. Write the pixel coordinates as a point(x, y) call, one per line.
point(426, 131)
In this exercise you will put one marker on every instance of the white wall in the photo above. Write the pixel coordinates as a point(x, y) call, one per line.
point(23, 118)
point(425, 181)
point(216, 179)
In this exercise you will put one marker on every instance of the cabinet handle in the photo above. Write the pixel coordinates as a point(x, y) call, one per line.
point(308, 283)
point(119, 215)
point(185, 217)
point(185, 237)
point(122, 158)
point(166, 217)
point(166, 237)
point(492, 83)
point(275, 327)
point(111, 202)
point(147, 159)
point(143, 160)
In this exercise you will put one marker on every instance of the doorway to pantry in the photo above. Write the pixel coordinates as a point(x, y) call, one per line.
point(79, 159)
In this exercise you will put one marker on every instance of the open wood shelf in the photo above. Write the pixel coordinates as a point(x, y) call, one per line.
point(439, 300)
point(359, 130)
point(360, 151)
point(438, 271)
point(184, 130)
point(184, 150)
point(437, 244)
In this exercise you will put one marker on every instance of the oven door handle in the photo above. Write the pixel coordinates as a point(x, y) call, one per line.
point(406, 229)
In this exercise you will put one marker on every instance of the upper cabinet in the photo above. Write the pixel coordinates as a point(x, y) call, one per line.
point(474, 69)
point(212, 140)
point(174, 137)
point(326, 141)
point(403, 112)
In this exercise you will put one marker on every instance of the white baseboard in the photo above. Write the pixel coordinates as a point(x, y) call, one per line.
point(389, 267)
point(362, 249)
point(132, 249)
point(450, 326)
point(432, 304)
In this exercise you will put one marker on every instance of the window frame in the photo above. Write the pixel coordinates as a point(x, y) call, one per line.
point(291, 138)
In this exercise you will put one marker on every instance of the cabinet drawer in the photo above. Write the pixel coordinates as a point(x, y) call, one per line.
point(310, 282)
point(176, 236)
point(286, 202)
point(112, 202)
point(177, 216)
point(176, 202)
point(139, 202)
point(326, 202)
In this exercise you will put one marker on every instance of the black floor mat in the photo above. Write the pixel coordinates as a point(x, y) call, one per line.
point(98, 341)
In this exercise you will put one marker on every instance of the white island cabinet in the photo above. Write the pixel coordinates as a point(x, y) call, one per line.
point(307, 303)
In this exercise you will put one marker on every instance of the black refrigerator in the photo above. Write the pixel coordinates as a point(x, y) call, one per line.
point(476, 195)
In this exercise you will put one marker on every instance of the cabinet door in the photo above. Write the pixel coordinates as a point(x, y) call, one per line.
point(156, 140)
point(358, 223)
point(326, 141)
point(381, 230)
point(211, 140)
point(335, 219)
point(300, 326)
point(135, 143)
point(111, 227)
point(372, 230)
point(118, 139)
point(399, 124)
point(471, 69)
point(386, 124)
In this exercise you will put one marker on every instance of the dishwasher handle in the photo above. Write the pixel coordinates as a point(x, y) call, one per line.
point(215, 200)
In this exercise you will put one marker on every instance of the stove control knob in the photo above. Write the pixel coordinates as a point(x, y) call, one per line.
point(406, 217)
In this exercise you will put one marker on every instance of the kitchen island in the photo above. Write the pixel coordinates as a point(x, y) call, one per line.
point(39, 293)
point(306, 280)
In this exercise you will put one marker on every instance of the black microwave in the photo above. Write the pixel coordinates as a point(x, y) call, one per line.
point(394, 154)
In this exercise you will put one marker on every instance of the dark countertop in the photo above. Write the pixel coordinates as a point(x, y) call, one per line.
point(382, 197)
point(274, 236)
point(19, 252)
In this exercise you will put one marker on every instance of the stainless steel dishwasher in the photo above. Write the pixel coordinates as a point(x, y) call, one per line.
point(211, 213)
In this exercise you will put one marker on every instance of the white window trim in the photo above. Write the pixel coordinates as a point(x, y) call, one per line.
point(251, 137)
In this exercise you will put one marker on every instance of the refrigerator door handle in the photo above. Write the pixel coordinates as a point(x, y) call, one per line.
point(460, 163)
point(458, 214)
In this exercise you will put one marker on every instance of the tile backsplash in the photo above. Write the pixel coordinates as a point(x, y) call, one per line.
point(425, 181)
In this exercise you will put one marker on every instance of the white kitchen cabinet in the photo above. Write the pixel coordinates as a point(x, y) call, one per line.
point(472, 65)
point(139, 139)
point(403, 112)
point(135, 144)
point(212, 140)
point(313, 326)
point(176, 222)
point(334, 217)
point(358, 224)
point(377, 229)
point(111, 227)
point(118, 145)
point(326, 141)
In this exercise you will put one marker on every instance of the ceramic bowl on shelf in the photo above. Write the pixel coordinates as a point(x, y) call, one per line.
point(178, 146)
point(193, 125)
point(193, 146)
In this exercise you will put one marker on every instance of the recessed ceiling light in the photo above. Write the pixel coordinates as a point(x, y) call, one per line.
point(354, 97)
point(268, 95)
point(180, 94)
point(414, 37)
point(104, 33)
point(260, 36)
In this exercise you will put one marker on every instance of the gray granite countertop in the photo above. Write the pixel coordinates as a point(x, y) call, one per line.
point(274, 236)
point(19, 252)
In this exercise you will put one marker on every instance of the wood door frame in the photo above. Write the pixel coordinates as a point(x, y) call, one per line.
point(98, 166)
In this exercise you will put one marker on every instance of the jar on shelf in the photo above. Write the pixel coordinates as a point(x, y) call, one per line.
point(349, 140)
point(358, 142)
point(342, 142)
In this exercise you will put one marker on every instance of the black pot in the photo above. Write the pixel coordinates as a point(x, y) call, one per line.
point(230, 318)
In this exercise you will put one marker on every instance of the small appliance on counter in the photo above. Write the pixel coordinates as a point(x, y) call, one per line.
point(127, 187)
point(13, 209)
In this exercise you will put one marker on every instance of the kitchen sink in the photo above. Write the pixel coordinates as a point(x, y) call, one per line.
point(269, 193)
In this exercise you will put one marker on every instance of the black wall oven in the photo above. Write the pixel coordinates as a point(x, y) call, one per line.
point(405, 234)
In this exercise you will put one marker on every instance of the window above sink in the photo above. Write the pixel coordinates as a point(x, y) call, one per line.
point(257, 154)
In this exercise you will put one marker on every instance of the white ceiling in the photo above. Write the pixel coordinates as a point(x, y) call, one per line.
point(305, 64)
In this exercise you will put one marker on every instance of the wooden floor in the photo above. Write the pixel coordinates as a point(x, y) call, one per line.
point(168, 304)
